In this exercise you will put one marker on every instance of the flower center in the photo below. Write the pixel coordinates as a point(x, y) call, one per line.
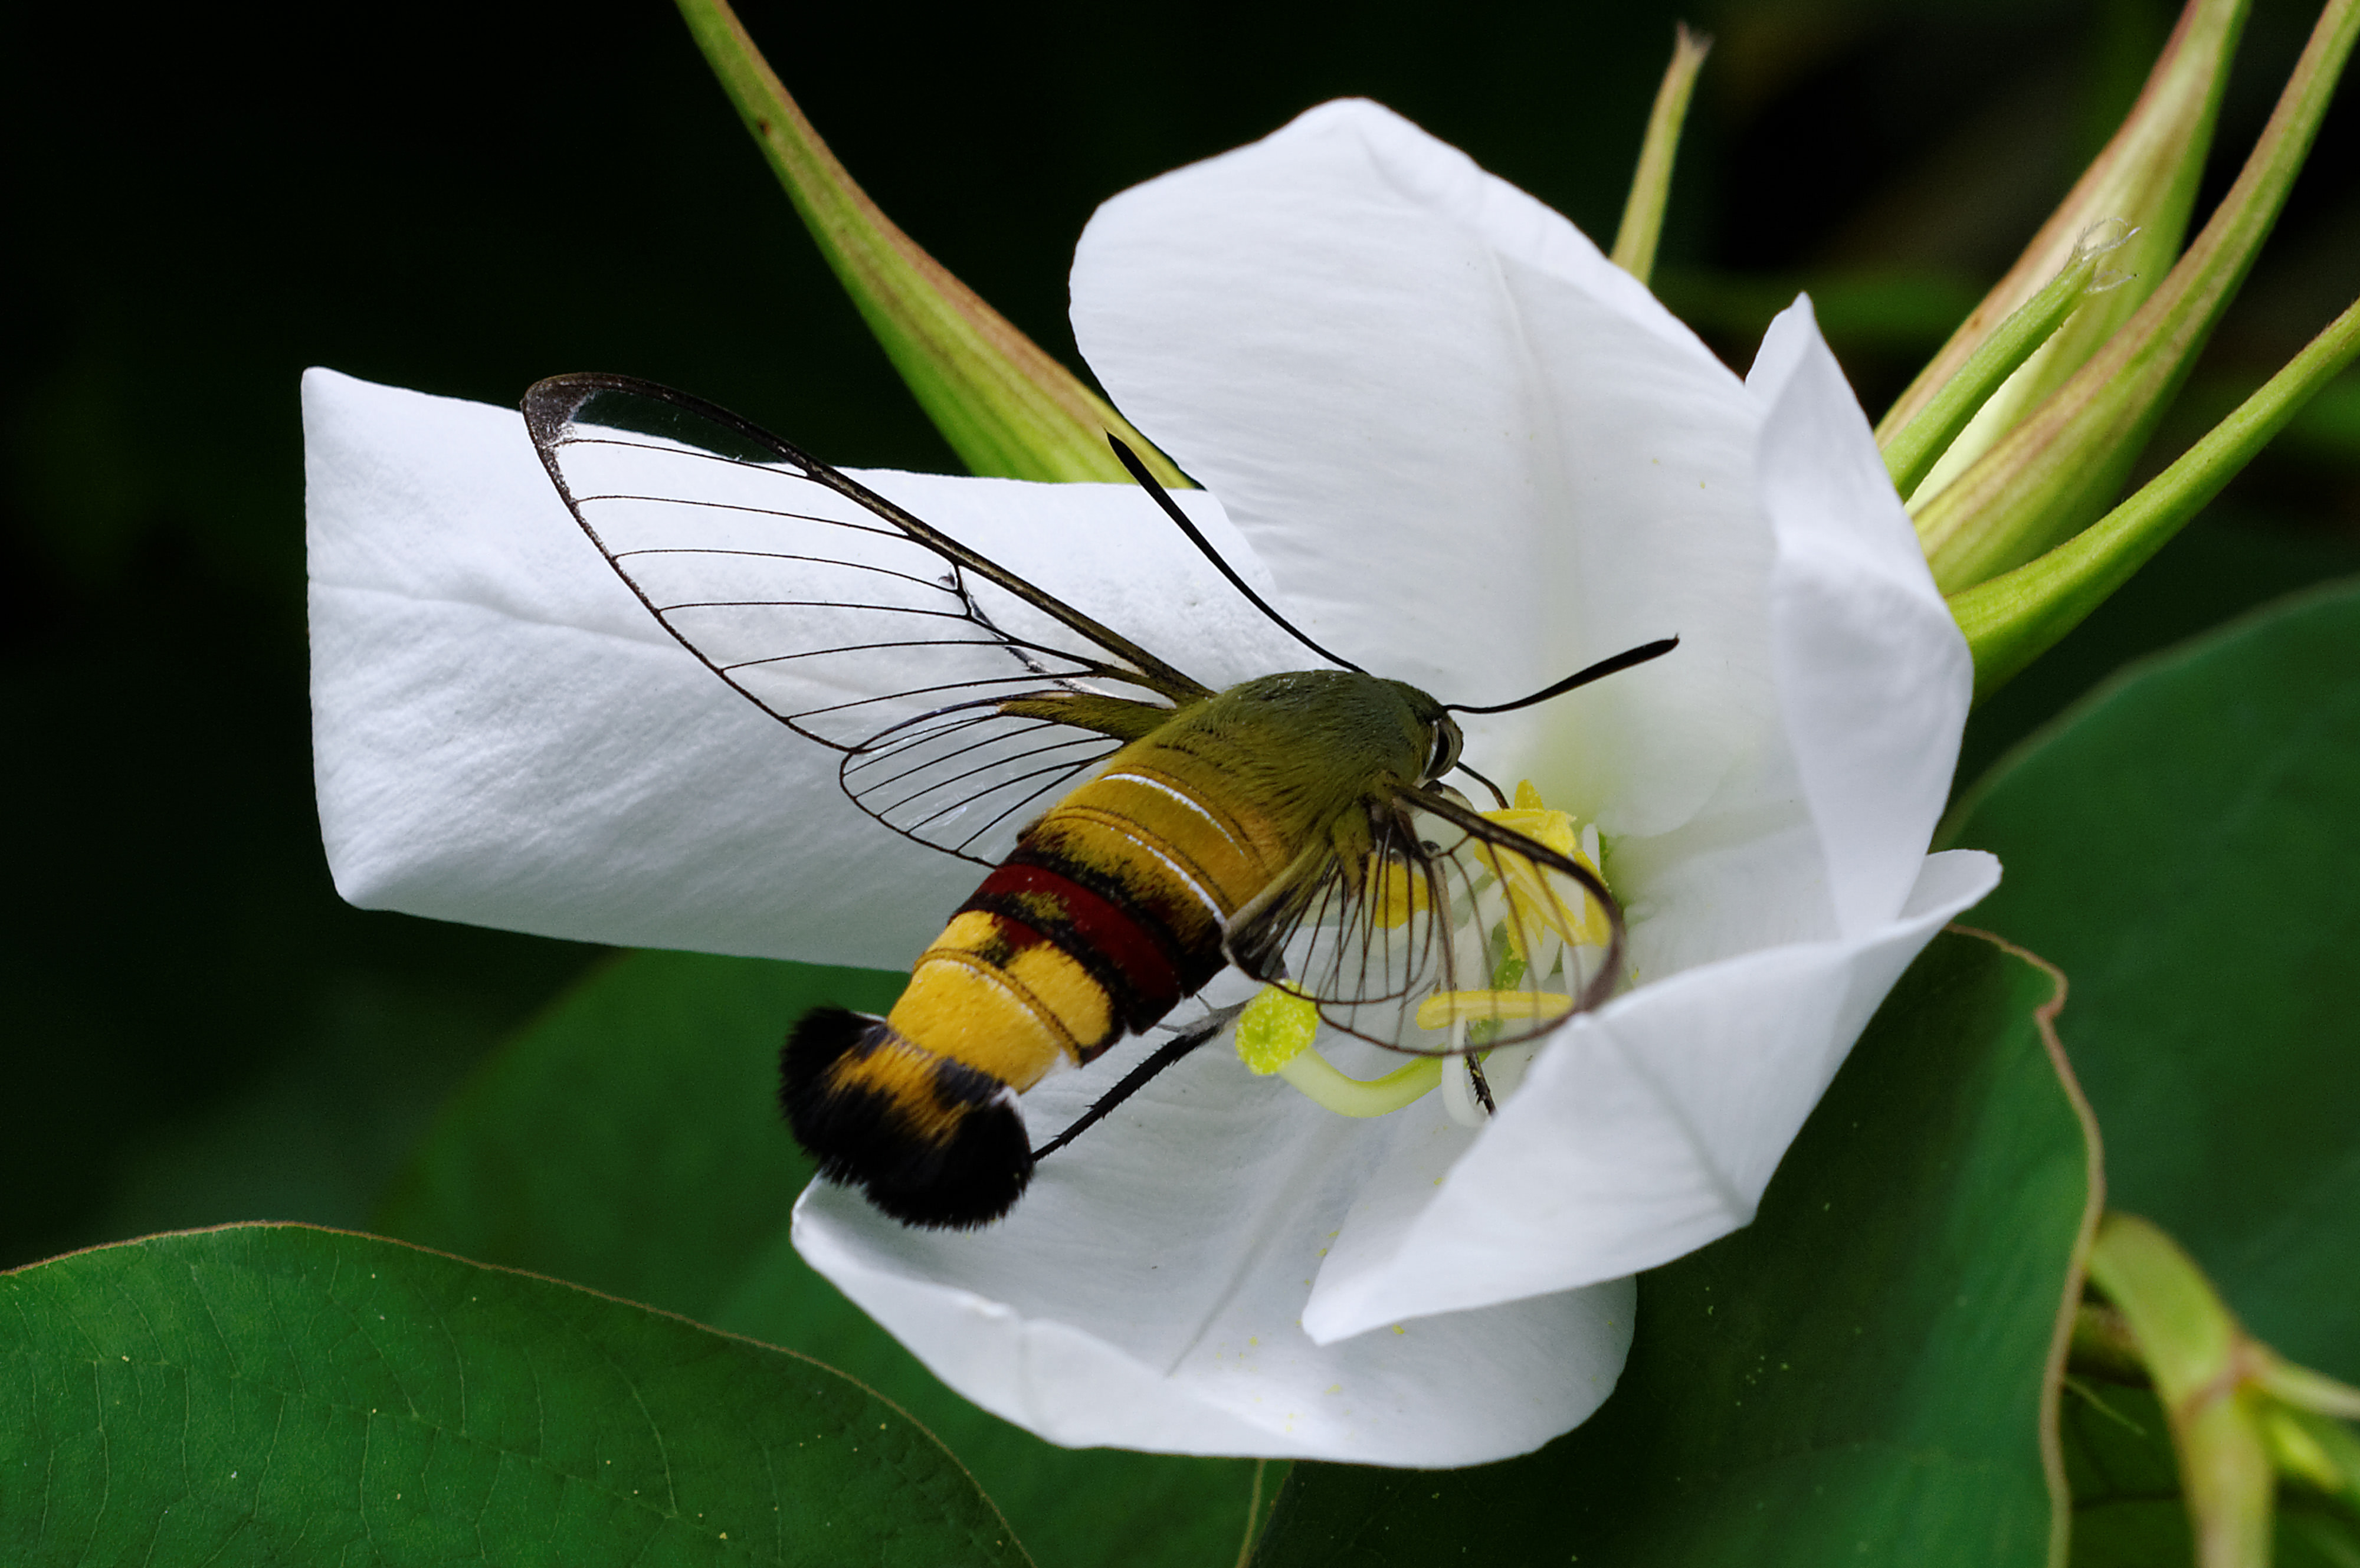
point(1531, 933)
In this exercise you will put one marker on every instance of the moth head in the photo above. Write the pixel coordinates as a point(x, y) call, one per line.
point(1442, 736)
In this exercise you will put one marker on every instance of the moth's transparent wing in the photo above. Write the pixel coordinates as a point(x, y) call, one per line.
point(959, 693)
point(968, 776)
point(1438, 932)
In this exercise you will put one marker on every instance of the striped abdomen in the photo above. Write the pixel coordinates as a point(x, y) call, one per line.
point(1109, 912)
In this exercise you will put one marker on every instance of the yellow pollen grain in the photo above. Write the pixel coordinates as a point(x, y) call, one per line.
point(1276, 1027)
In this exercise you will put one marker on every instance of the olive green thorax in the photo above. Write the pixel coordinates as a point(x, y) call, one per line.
point(1305, 747)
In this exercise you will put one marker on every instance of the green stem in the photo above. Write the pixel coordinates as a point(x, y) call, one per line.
point(2313, 1391)
point(2200, 1360)
point(1006, 407)
point(2147, 175)
point(2103, 1346)
point(2053, 473)
point(2317, 1449)
point(2012, 619)
point(1651, 184)
point(1912, 450)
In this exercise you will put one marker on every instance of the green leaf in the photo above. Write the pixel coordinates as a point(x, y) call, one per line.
point(2182, 843)
point(274, 1393)
point(2126, 1484)
point(2231, 560)
point(630, 1141)
point(1860, 1371)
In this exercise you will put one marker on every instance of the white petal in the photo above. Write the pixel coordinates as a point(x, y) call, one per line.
point(1475, 453)
point(1146, 1292)
point(1643, 1131)
point(503, 735)
point(1873, 675)
point(1821, 826)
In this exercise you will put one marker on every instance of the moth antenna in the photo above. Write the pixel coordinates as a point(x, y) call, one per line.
point(1148, 483)
point(1598, 671)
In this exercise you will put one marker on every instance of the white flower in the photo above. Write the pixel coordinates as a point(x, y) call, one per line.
point(1462, 449)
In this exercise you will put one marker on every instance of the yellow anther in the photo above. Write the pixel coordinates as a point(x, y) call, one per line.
point(1533, 900)
point(1276, 1027)
point(1445, 1008)
point(1529, 817)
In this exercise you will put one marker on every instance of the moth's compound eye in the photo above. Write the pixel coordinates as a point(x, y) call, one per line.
point(1447, 742)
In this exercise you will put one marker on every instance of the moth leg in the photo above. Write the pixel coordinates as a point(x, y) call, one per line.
point(1482, 1087)
point(1171, 1050)
point(1255, 938)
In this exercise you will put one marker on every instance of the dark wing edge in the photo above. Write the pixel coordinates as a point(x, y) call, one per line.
point(953, 765)
point(1372, 925)
point(551, 404)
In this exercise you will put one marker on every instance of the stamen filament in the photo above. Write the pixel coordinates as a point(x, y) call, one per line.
point(1318, 1079)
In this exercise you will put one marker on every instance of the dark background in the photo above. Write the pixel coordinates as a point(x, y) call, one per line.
point(463, 198)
